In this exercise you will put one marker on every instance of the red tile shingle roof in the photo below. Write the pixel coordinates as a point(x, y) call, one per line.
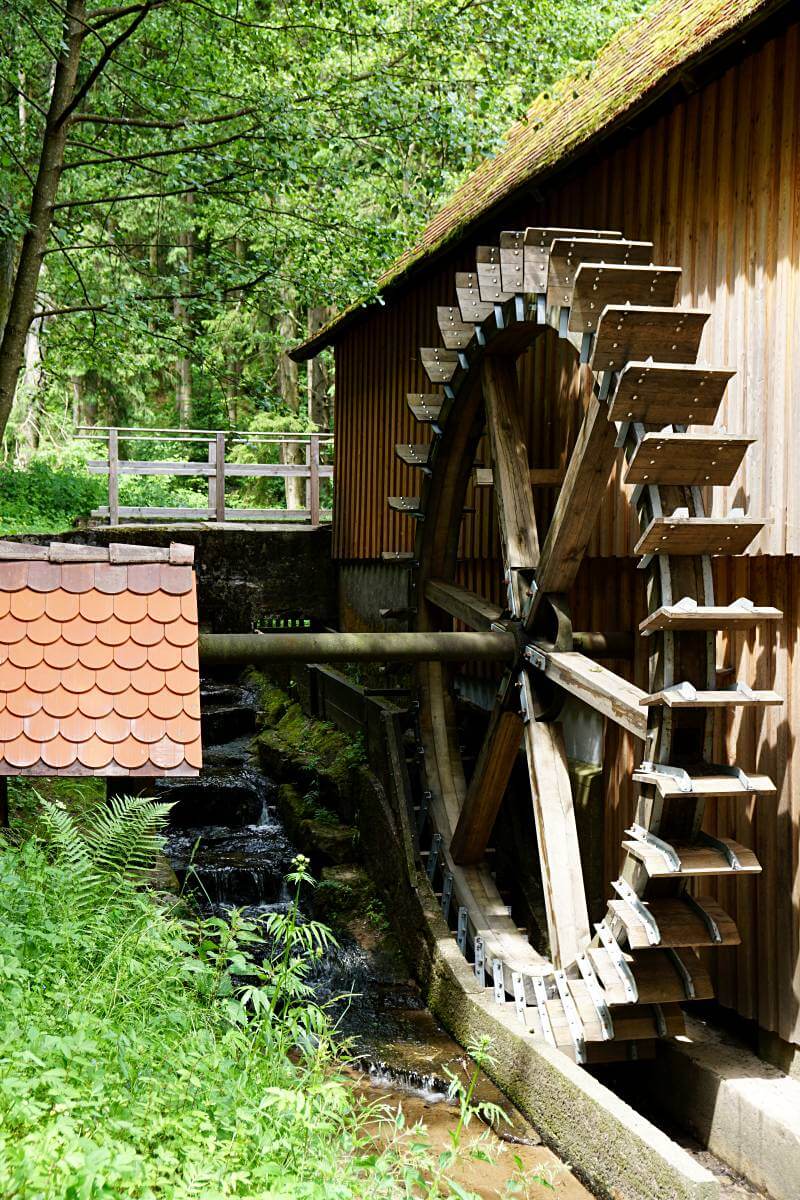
point(99, 671)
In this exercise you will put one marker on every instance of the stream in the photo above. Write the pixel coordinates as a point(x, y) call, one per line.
point(228, 847)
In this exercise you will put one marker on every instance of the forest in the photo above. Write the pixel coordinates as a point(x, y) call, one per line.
point(188, 188)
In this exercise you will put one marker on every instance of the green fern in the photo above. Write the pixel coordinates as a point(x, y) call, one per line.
point(121, 838)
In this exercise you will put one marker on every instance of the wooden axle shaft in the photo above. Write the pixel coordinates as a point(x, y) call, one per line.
point(238, 649)
point(232, 649)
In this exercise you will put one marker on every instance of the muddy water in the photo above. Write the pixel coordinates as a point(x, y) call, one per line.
point(228, 846)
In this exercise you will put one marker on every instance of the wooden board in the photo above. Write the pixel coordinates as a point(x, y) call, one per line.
point(490, 284)
point(473, 309)
point(696, 859)
point(598, 285)
point(581, 495)
point(512, 260)
point(539, 477)
point(439, 365)
point(698, 535)
point(557, 836)
point(539, 239)
point(658, 980)
point(456, 333)
point(664, 334)
point(404, 504)
point(598, 687)
point(711, 617)
point(668, 393)
point(512, 489)
point(466, 606)
point(678, 923)
point(687, 458)
point(414, 454)
point(708, 785)
point(720, 698)
point(496, 760)
point(425, 406)
point(567, 254)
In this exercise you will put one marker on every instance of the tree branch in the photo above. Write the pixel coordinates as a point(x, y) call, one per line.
point(80, 93)
point(141, 123)
point(135, 158)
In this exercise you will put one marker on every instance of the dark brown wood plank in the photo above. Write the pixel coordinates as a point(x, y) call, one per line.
point(487, 787)
point(664, 334)
point(698, 535)
point(598, 285)
point(578, 503)
point(668, 393)
point(702, 459)
point(511, 473)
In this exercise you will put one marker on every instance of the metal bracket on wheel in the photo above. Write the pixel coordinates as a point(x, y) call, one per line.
point(461, 932)
point(661, 1023)
point(706, 917)
point(433, 856)
point(597, 996)
point(447, 894)
point(540, 992)
point(479, 966)
point(610, 943)
point(706, 839)
point(681, 777)
point(535, 657)
point(499, 981)
point(626, 893)
point(683, 971)
point(574, 1023)
point(519, 996)
point(650, 839)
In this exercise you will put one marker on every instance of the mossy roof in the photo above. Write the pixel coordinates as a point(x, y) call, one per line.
point(638, 66)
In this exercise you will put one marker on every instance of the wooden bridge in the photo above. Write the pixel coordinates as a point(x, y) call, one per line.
point(316, 449)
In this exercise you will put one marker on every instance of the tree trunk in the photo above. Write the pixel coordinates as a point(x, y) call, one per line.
point(28, 400)
point(319, 376)
point(289, 388)
point(234, 364)
point(40, 215)
point(183, 382)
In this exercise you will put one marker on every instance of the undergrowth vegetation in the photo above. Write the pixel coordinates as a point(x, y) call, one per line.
point(148, 1053)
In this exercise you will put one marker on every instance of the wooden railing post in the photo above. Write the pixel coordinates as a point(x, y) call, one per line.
point(212, 479)
point(313, 478)
point(219, 484)
point(113, 477)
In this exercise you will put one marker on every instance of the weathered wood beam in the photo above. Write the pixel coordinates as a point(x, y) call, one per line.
point(598, 687)
point(488, 786)
point(462, 604)
point(557, 834)
point(510, 471)
point(220, 649)
point(575, 514)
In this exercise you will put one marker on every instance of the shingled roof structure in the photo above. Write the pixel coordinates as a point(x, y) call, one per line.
point(638, 66)
point(99, 671)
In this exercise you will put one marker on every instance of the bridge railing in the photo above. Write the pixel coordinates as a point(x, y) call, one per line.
point(314, 447)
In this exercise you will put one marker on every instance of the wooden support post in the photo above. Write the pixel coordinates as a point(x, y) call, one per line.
point(113, 477)
point(313, 478)
point(487, 786)
point(220, 477)
point(212, 479)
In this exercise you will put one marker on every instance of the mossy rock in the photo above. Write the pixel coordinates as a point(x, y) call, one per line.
point(316, 832)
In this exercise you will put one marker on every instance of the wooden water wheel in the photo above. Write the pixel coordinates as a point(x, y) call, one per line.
point(606, 990)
